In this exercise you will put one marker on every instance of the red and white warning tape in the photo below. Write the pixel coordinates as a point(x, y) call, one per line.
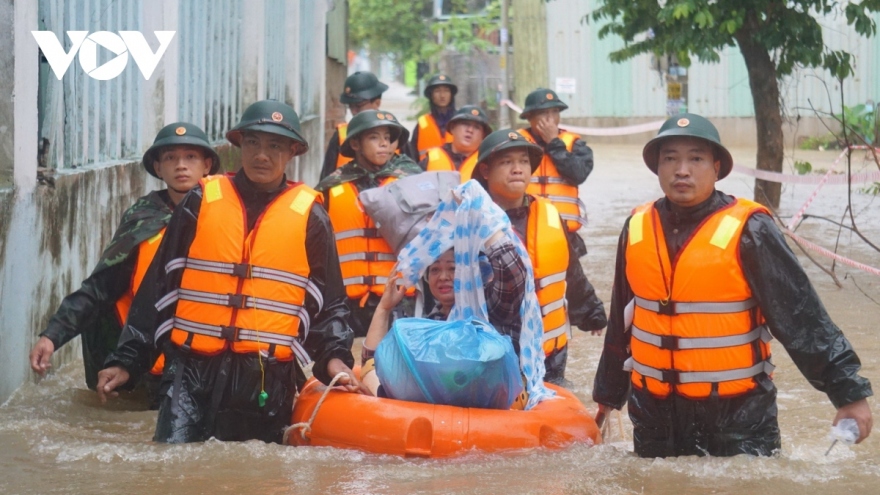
point(819, 249)
point(601, 131)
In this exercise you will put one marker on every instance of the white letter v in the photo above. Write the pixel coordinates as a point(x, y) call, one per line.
point(54, 52)
point(143, 56)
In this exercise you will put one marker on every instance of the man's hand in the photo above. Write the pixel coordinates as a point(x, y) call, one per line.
point(547, 128)
point(350, 381)
point(108, 380)
point(859, 411)
point(601, 414)
point(41, 356)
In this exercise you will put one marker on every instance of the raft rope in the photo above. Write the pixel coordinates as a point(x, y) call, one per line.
point(606, 426)
point(307, 425)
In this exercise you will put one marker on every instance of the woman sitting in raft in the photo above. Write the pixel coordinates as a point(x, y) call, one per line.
point(503, 272)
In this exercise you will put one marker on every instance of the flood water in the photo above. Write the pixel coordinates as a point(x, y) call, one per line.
point(57, 438)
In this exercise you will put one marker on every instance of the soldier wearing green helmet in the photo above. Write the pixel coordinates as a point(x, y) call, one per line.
point(703, 282)
point(505, 163)
point(245, 292)
point(468, 127)
point(180, 156)
point(430, 131)
point(567, 162)
point(362, 91)
point(366, 258)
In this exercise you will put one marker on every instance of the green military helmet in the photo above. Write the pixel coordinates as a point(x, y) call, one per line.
point(688, 125)
point(472, 113)
point(370, 119)
point(440, 80)
point(179, 133)
point(540, 99)
point(269, 116)
point(361, 86)
point(506, 139)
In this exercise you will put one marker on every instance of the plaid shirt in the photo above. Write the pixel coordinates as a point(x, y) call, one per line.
point(504, 291)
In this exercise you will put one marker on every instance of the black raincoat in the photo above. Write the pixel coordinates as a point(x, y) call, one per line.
point(575, 165)
point(90, 311)
point(744, 424)
point(204, 396)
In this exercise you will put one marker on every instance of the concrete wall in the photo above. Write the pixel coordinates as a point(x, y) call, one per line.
point(52, 233)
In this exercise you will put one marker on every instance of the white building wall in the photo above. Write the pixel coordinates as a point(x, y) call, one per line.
point(636, 89)
point(51, 235)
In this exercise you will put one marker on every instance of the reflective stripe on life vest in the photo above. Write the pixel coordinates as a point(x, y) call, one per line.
point(696, 328)
point(548, 250)
point(365, 257)
point(547, 183)
point(240, 290)
point(430, 135)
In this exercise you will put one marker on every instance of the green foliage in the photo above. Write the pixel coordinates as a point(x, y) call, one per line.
point(787, 29)
point(405, 29)
point(398, 27)
point(873, 189)
point(821, 143)
point(803, 168)
point(862, 120)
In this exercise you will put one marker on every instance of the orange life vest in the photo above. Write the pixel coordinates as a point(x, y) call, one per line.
point(440, 161)
point(696, 328)
point(146, 252)
point(365, 257)
point(240, 290)
point(342, 130)
point(547, 183)
point(548, 249)
point(430, 135)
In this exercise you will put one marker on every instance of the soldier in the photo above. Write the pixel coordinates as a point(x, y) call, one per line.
point(567, 161)
point(245, 290)
point(430, 131)
point(180, 156)
point(702, 281)
point(467, 127)
point(363, 91)
point(505, 163)
point(366, 257)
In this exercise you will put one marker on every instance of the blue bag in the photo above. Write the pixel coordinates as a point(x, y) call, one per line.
point(464, 363)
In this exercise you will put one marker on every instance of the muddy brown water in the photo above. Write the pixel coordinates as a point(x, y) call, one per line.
point(56, 438)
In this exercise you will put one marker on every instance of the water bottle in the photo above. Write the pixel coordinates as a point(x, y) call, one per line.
point(846, 430)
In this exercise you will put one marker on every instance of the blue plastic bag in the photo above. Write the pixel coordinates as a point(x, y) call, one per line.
point(464, 363)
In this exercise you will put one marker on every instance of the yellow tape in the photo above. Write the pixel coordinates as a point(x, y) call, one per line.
point(337, 190)
point(212, 191)
point(157, 237)
point(553, 216)
point(302, 202)
point(635, 228)
point(724, 233)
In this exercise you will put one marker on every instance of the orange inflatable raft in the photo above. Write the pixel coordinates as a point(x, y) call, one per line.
point(410, 429)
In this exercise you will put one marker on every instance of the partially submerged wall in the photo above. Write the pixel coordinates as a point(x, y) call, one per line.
point(49, 241)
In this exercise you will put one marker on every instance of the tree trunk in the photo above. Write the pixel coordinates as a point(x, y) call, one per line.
point(768, 117)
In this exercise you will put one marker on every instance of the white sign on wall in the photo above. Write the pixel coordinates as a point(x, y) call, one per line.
point(566, 85)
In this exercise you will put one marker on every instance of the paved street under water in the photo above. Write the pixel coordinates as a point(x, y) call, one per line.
point(57, 438)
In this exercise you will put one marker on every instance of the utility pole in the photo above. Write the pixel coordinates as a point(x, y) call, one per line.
point(503, 112)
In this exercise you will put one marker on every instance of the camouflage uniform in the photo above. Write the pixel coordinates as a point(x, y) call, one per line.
point(90, 311)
